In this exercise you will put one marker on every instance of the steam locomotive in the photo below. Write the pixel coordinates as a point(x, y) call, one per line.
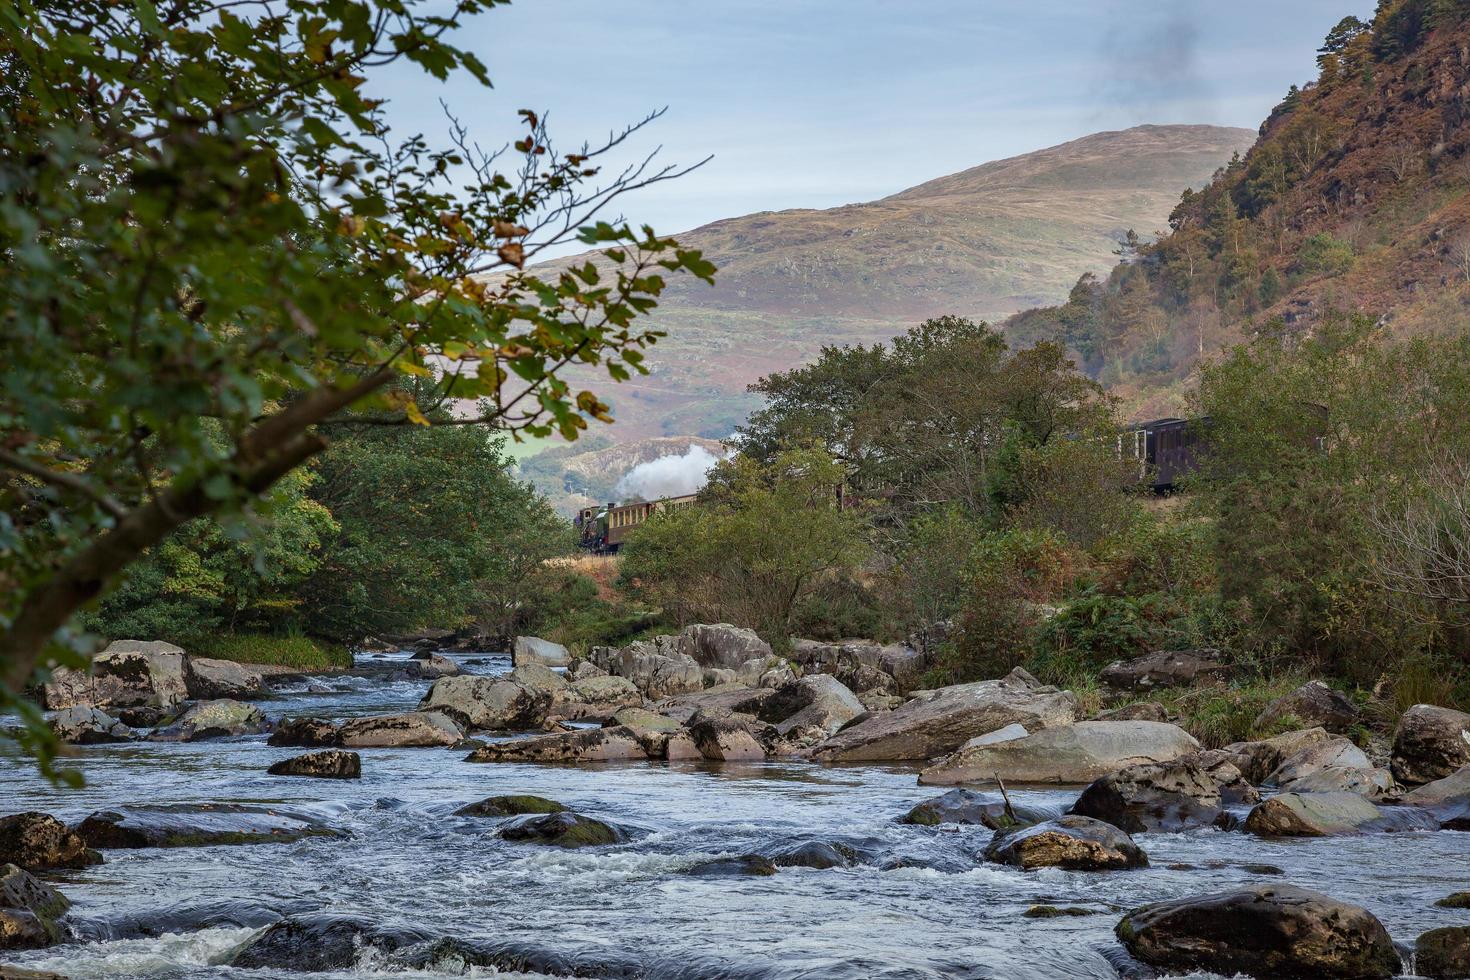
point(602, 529)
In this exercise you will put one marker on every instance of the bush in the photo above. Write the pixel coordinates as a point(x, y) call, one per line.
point(1098, 628)
point(840, 609)
point(1324, 254)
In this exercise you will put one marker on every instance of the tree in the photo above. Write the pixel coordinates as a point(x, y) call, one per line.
point(209, 233)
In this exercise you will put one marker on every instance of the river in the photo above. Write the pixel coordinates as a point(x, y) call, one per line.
point(923, 905)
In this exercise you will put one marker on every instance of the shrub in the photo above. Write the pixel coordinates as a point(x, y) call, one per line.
point(1324, 254)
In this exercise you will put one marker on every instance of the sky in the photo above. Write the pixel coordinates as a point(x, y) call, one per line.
point(817, 103)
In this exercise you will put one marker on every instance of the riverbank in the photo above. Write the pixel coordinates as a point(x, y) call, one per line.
point(299, 653)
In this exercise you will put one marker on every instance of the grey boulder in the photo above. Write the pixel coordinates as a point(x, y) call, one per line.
point(1078, 753)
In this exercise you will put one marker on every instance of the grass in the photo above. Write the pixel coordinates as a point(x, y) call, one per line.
point(299, 652)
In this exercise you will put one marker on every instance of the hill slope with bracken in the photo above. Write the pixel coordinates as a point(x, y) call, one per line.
point(982, 243)
point(1355, 197)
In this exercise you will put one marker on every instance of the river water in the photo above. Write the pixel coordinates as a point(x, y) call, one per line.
point(923, 905)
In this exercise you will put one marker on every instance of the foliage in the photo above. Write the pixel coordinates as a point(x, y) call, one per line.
point(1324, 254)
point(568, 607)
point(286, 650)
point(1098, 628)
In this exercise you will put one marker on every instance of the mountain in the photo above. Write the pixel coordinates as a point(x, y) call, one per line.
point(1354, 198)
point(982, 243)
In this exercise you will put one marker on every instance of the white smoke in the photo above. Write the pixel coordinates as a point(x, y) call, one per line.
point(668, 476)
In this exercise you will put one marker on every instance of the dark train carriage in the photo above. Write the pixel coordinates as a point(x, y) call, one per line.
point(1168, 449)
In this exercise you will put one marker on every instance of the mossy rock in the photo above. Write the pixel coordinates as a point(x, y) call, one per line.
point(514, 805)
point(744, 865)
point(1054, 912)
point(1458, 900)
point(563, 829)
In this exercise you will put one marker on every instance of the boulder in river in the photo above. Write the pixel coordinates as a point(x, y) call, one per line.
point(935, 722)
point(538, 677)
point(510, 806)
point(1268, 931)
point(1335, 764)
point(329, 764)
point(1443, 954)
point(725, 740)
point(199, 825)
point(596, 698)
point(432, 666)
point(209, 679)
point(818, 855)
point(723, 645)
point(733, 699)
point(223, 718)
point(129, 673)
point(657, 667)
point(1071, 842)
point(816, 700)
point(1165, 668)
point(319, 944)
point(1331, 815)
point(1257, 760)
point(1077, 753)
point(1166, 797)
point(305, 732)
point(414, 729)
point(1448, 799)
point(488, 703)
point(85, 725)
point(563, 829)
point(1314, 705)
point(738, 866)
point(964, 806)
point(534, 650)
point(38, 841)
point(1430, 743)
point(616, 744)
point(28, 910)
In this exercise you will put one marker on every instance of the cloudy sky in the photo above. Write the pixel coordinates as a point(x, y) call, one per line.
point(815, 103)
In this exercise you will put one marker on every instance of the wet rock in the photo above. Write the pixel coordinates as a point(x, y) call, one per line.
point(935, 722)
point(85, 725)
point(433, 666)
point(723, 645)
point(1443, 954)
point(1448, 799)
point(1165, 668)
point(534, 650)
point(198, 825)
point(563, 829)
point(128, 673)
point(320, 943)
point(1257, 760)
point(39, 842)
point(1055, 912)
point(510, 806)
point(963, 806)
point(816, 854)
point(331, 764)
point(1313, 705)
point(1269, 931)
point(224, 718)
point(1071, 842)
point(1430, 743)
point(1329, 815)
point(1456, 900)
point(1139, 711)
point(618, 744)
point(488, 703)
point(29, 910)
point(816, 701)
point(415, 729)
point(1166, 797)
point(1077, 753)
point(210, 679)
point(305, 732)
point(725, 740)
point(745, 865)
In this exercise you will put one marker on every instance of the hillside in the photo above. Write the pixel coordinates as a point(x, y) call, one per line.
point(982, 243)
point(1353, 198)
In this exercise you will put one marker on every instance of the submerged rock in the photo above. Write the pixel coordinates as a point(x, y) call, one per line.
point(331, 764)
point(1165, 668)
point(617, 744)
point(1077, 753)
point(935, 722)
point(1071, 842)
point(1443, 954)
point(305, 732)
point(29, 910)
point(224, 718)
point(816, 854)
point(415, 729)
point(1055, 912)
point(744, 865)
point(1331, 814)
point(510, 806)
point(86, 725)
point(1315, 705)
point(198, 825)
point(37, 841)
point(563, 829)
point(1269, 931)
point(1167, 797)
point(488, 703)
point(963, 806)
point(1430, 743)
point(320, 943)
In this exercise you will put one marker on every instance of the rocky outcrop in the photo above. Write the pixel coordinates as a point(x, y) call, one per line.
point(936, 722)
point(85, 725)
point(581, 670)
point(1072, 842)
point(224, 718)
point(725, 740)
point(1330, 815)
point(210, 679)
point(1443, 954)
point(618, 744)
point(1430, 743)
point(432, 666)
point(723, 645)
point(1077, 753)
point(415, 729)
point(963, 806)
point(39, 842)
point(129, 673)
point(1269, 931)
point(659, 667)
point(1167, 797)
point(733, 699)
point(863, 666)
point(1165, 668)
point(1233, 786)
point(305, 732)
point(510, 806)
point(489, 703)
point(563, 829)
point(815, 701)
point(595, 698)
point(1257, 760)
point(331, 764)
point(1331, 765)
point(29, 910)
point(1313, 705)
point(534, 650)
point(198, 825)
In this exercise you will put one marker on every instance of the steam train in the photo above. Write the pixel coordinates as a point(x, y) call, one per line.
point(602, 529)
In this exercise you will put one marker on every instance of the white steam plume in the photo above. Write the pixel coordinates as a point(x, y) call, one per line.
point(668, 476)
